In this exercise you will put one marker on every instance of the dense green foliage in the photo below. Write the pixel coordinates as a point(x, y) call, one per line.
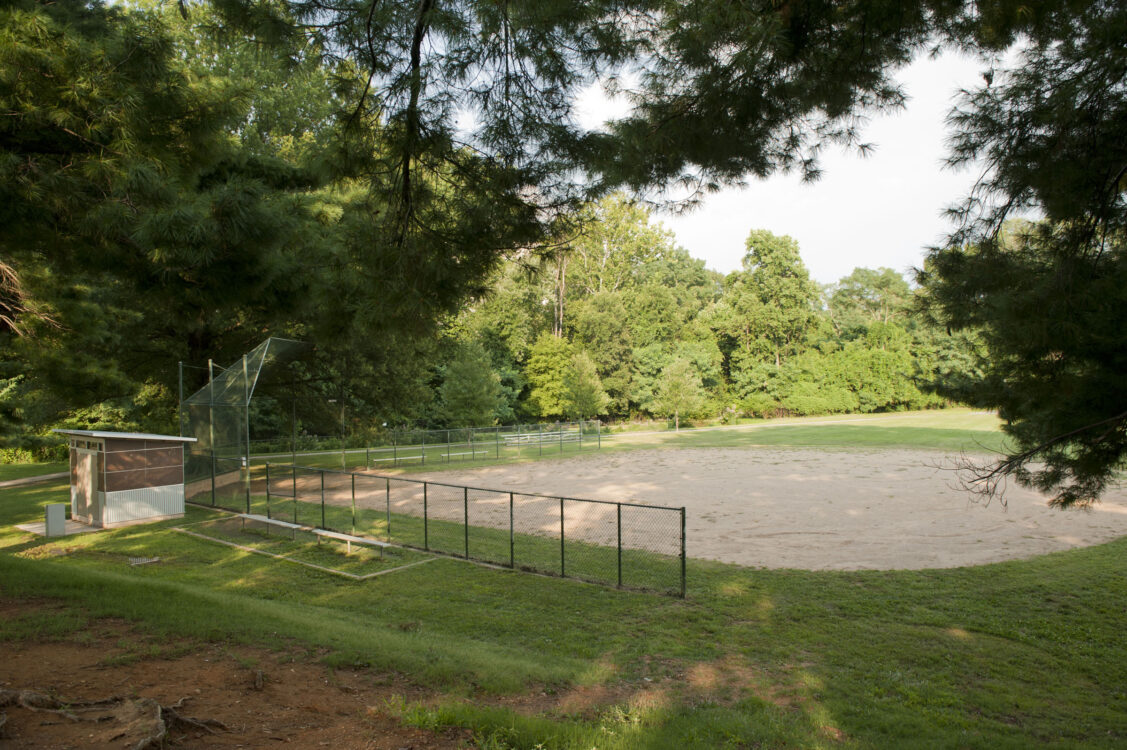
point(470, 391)
point(172, 192)
point(1050, 298)
point(668, 338)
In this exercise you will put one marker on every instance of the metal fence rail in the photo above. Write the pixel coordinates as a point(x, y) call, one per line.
point(619, 544)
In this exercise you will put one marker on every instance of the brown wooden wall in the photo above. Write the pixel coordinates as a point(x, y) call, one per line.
point(134, 464)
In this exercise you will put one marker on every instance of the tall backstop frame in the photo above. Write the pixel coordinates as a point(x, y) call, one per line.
point(218, 417)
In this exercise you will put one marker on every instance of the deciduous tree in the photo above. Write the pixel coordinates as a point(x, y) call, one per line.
point(678, 391)
point(584, 396)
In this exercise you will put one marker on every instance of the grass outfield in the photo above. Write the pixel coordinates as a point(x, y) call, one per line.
point(947, 430)
point(1016, 654)
point(21, 471)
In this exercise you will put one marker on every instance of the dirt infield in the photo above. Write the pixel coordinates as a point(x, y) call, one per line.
point(817, 509)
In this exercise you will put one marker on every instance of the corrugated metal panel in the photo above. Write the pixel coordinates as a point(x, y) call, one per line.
point(148, 502)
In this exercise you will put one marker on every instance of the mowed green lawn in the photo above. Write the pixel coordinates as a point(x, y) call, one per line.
point(1014, 655)
point(946, 430)
point(22, 471)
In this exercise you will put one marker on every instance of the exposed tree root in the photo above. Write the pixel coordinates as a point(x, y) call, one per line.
point(142, 722)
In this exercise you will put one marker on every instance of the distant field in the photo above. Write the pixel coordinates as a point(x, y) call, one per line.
point(21, 471)
point(946, 430)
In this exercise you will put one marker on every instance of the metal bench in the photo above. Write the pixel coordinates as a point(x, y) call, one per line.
point(349, 539)
point(293, 527)
point(525, 438)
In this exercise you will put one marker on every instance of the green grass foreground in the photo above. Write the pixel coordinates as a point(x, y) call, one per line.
point(543, 553)
point(22, 471)
point(1010, 655)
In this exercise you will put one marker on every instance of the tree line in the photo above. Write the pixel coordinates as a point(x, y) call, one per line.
point(619, 322)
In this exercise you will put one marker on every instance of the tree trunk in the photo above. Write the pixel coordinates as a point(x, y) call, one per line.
point(561, 290)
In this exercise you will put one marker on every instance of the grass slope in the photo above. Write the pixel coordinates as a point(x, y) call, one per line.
point(1010, 655)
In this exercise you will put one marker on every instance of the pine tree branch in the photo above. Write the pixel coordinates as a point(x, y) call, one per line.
point(371, 66)
point(986, 480)
point(422, 24)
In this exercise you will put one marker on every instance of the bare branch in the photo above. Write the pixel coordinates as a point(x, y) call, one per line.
point(989, 481)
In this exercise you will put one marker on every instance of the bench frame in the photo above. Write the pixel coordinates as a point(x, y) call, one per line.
point(348, 539)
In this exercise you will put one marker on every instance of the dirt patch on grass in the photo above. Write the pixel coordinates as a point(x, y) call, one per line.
point(264, 698)
point(817, 509)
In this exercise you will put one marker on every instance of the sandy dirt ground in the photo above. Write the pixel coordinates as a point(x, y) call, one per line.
point(262, 698)
point(817, 509)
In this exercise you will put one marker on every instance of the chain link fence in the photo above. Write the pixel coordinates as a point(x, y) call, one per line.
point(219, 479)
point(619, 544)
point(393, 448)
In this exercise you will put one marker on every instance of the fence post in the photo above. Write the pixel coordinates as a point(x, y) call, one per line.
point(367, 457)
point(322, 498)
point(473, 450)
point(497, 441)
point(562, 570)
point(295, 498)
point(267, 491)
point(512, 557)
point(581, 435)
point(599, 432)
point(426, 538)
point(353, 532)
point(448, 446)
point(211, 423)
point(394, 451)
point(466, 517)
point(540, 437)
point(682, 553)
point(387, 492)
point(424, 447)
point(620, 545)
point(559, 429)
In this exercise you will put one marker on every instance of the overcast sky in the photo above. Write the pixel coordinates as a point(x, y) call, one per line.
point(882, 210)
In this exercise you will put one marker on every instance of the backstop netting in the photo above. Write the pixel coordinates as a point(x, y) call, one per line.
point(216, 469)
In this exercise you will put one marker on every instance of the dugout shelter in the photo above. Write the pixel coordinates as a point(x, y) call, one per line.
point(122, 478)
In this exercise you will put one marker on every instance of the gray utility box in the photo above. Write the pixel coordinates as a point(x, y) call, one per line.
point(56, 521)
